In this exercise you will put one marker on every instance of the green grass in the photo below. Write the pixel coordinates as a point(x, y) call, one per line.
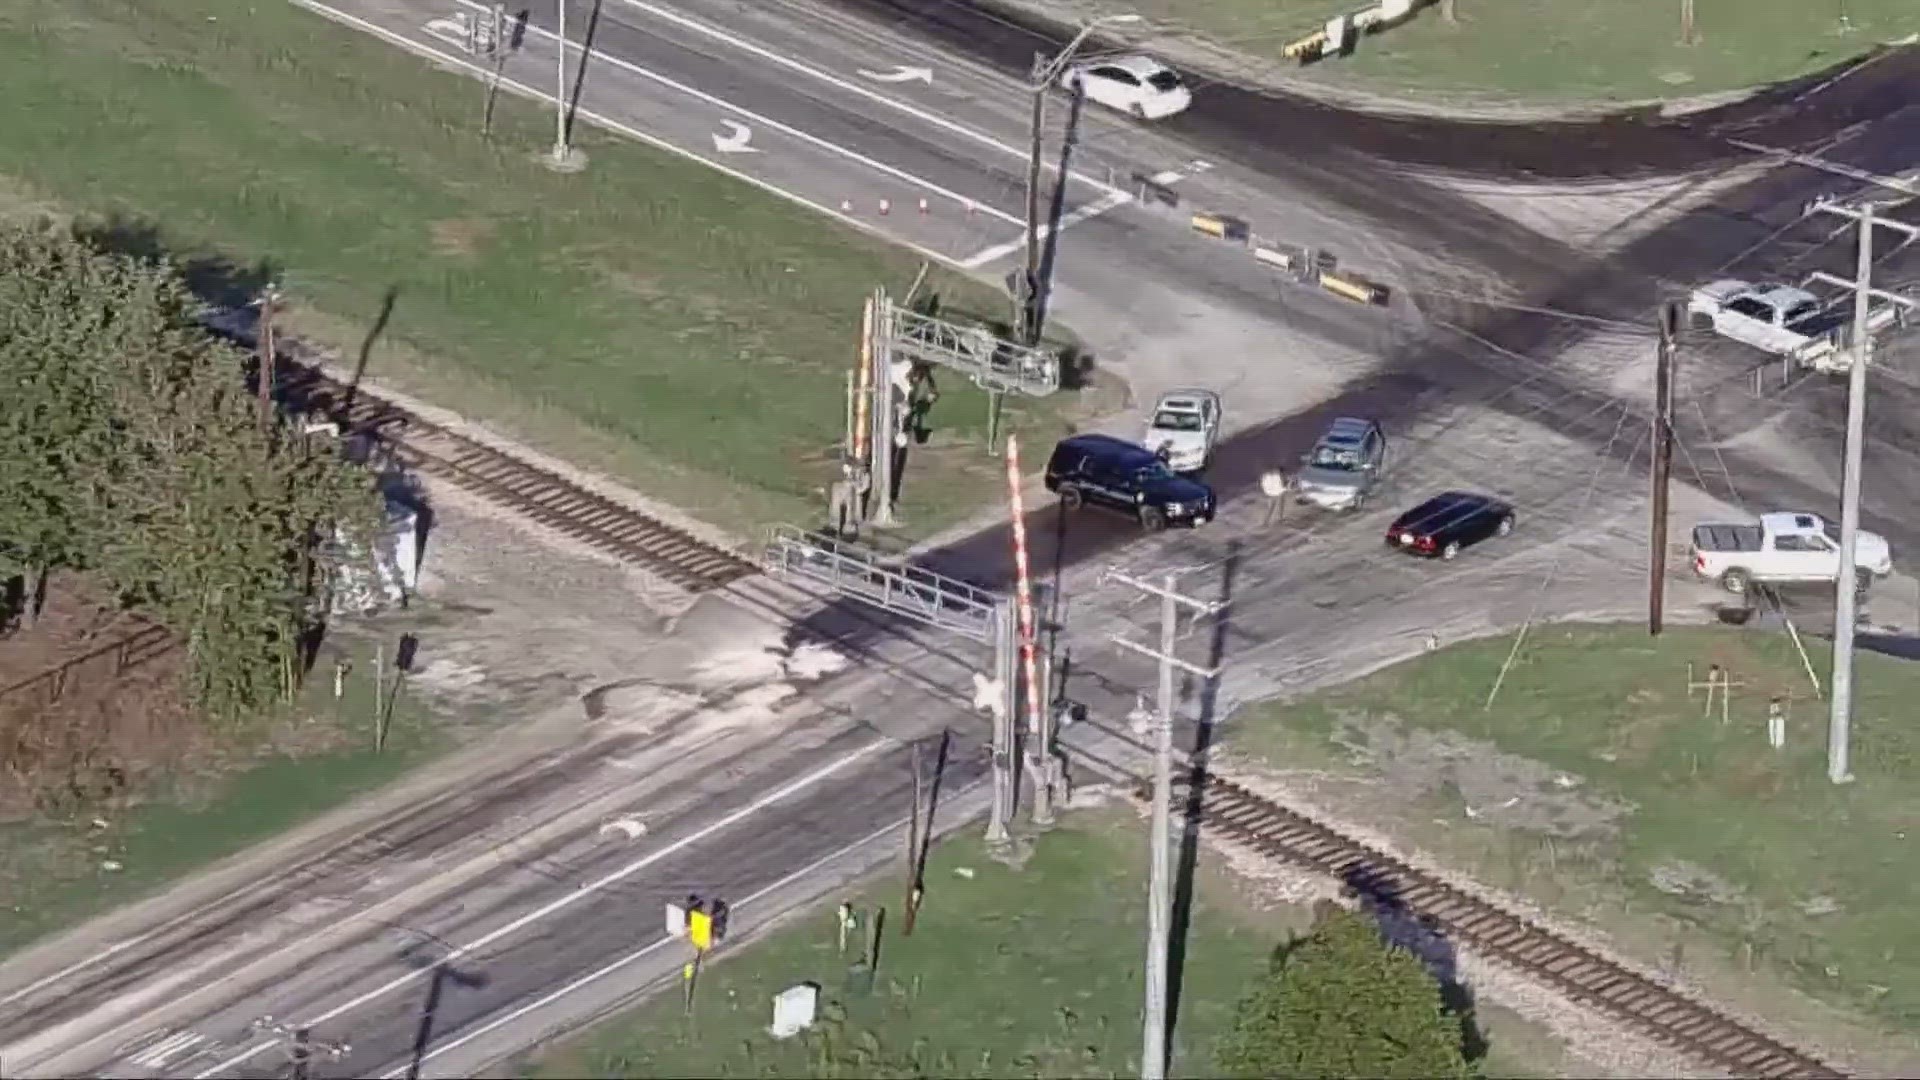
point(646, 316)
point(54, 873)
point(1745, 840)
point(1585, 50)
point(1034, 972)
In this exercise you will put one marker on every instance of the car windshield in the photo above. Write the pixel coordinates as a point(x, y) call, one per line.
point(1175, 420)
point(1164, 81)
point(1149, 473)
point(1343, 459)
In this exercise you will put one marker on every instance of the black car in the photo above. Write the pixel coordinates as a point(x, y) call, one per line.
point(1441, 526)
point(1100, 470)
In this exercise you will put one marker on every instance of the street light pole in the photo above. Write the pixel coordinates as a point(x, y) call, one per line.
point(560, 149)
point(1027, 291)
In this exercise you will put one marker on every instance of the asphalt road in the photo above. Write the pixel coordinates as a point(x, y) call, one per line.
point(497, 887)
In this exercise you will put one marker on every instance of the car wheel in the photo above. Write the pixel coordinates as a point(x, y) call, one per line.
point(1506, 525)
point(1138, 110)
point(1736, 581)
point(1151, 519)
point(1451, 551)
point(1071, 498)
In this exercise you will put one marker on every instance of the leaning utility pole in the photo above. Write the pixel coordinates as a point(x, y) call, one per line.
point(1153, 1035)
point(1846, 589)
point(1025, 299)
point(1662, 469)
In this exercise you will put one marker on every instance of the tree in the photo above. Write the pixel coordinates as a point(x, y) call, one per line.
point(134, 453)
point(1342, 1001)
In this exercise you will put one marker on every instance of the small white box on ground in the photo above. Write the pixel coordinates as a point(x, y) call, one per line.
point(676, 921)
point(793, 1010)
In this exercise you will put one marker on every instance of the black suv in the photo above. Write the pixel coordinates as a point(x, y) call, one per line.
point(1127, 477)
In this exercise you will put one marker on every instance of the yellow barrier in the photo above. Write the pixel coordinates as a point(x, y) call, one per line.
point(1221, 227)
point(1307, 47)
point(1365, 292)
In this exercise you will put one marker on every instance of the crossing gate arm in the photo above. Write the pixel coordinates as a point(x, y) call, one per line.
point(990, 361)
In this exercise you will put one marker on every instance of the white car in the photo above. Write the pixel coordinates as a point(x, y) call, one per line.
point(1139, 85)
point(1183, 427)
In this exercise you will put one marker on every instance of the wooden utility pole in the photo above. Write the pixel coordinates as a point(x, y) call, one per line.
point(269, 304)
point(913, 845)
point(1662, 468)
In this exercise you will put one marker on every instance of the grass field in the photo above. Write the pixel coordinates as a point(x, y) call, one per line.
point(647, 316)
point(1032, 972)
point(1617, 50)
point(1598, 785)
point(57, 873)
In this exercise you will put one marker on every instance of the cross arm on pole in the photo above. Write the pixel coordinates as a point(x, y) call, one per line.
point(1829, 206)
point(1204, 607)
point(1880, 294)
point(1155, 654)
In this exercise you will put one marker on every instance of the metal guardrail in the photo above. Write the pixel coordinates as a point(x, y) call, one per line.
point(902, 589)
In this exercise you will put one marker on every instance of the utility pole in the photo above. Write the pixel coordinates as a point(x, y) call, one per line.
point(1663, 379)
point(1153, 1036)
point(1025, 301)
point(563, 158)
point(1846, 591)
point(269, 305)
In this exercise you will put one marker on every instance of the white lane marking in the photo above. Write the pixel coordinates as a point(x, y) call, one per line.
point(631, 132)
point(641, 953)
point(786, 129)
point(735, 140)
point(580, 893)
point(899, 74)
point(981, 258)
point(831, 79)
point(107, 953)
point(1168, 178)
point(157, 1055)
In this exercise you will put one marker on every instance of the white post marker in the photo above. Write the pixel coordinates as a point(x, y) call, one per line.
point(794, 1009)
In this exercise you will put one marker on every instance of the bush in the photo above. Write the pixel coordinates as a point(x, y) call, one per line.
point(1342, 1001)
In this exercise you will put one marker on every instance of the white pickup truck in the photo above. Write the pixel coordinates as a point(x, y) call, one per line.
point(1784, 549)
point(1782, 320)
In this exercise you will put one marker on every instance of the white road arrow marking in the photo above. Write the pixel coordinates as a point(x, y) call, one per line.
point(900, 74)
point(631, 828)
point(735, 140)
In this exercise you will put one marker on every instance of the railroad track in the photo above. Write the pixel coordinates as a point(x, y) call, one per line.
point(1693, 1028)
point(1229, 810)
point(540, 494)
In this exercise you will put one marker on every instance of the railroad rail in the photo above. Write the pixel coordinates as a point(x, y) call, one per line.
point(1673, 1018)
point(540, 494)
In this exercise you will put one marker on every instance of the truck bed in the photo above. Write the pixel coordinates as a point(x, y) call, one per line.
point(1727, 537)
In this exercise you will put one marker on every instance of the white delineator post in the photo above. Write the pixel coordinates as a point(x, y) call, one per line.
point(1040, 750)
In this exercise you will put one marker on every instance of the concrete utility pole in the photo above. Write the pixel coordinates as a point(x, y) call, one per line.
point(1845, 588)
point(1153, 1036)
point(1662, 469)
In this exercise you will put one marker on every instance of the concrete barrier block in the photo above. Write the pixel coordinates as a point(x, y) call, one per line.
point(1359, 290)
point(1222, 226)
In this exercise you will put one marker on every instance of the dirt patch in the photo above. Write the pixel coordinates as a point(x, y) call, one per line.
point(1491, 786)
point(460, 237)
